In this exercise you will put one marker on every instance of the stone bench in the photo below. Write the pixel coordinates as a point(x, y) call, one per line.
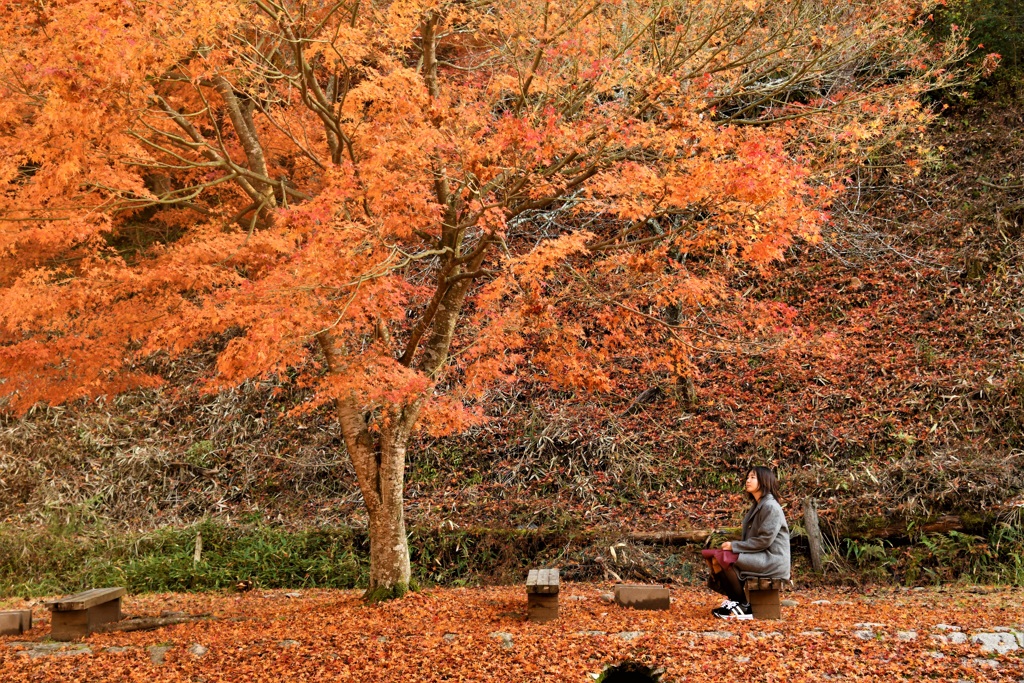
point(542, 595)
point(763, 596)
point(75, 616)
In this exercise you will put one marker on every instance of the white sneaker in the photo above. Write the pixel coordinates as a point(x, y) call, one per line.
point(734, 611)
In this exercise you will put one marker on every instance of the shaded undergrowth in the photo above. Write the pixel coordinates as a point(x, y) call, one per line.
point(62, 558)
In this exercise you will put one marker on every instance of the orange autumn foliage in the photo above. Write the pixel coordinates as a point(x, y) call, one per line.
point(401, 204)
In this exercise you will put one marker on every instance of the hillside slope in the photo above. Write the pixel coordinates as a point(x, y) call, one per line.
point(899, 397)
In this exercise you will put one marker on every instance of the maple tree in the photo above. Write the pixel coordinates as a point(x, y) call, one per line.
point(402, 204)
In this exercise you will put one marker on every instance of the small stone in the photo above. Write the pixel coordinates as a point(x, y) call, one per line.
point(158, 653)
point(907, 636)
point(812, 633)
point(958, 638)
point(576, 598)
point(293, 595)
point(763, 635)
point(789, 603)
point(945, 627)
point(592, 634)
point(506, 639)
point(629, 635)
point(286, 644)
point(449, 637)
point(865, 634)
point(741, 660)
point(197, 650)
point(382, 639)
point(37, 650)
point(116, 649)
point(717, 635)
point(868, 624)
point(935, 654)
point(607, 598)
point(996, 642)
point(821, 602)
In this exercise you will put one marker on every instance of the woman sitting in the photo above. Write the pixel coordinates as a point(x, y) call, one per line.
point(763, 552)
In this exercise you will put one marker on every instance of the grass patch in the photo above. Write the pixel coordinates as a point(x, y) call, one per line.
point(67, 557)
point(50, 560)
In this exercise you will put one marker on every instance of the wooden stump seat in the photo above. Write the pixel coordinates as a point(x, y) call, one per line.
point(763, 596)
point(542, 595)
point(75, 616)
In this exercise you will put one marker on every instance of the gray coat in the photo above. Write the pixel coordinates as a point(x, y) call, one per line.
point(764, 550)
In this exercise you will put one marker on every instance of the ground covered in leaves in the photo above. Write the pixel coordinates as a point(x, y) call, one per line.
point(481, 634)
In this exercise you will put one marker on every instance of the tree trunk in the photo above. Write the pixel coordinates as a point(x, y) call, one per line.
point(379, 462)
point(814, 540)
point(390, 569)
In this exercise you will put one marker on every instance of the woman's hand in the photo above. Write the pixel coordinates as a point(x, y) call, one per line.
point(727, 546)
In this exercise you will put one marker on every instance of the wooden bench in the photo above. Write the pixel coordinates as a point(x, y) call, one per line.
point(542, 595)
point(763, 596)
point(75, 616)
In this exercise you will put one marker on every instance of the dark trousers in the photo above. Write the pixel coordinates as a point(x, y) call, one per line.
point(727, 583)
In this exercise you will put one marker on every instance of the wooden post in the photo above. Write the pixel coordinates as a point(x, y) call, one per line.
point(813, 533)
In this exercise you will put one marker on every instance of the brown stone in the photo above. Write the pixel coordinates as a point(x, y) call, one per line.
point(642, 597)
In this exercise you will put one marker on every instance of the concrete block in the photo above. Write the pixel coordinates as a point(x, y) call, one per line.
point(15, 622)
point(642, 597)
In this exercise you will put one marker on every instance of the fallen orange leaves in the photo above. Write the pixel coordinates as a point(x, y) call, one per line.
point(481, 634)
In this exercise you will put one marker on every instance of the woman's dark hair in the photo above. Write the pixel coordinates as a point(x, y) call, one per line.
point(766, 481)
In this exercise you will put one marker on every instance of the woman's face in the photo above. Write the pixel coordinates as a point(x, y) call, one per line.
point(751, 485)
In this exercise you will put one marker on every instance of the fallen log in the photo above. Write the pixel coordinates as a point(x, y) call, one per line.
point(147, 623)
point(683, 537)
point(942, 525)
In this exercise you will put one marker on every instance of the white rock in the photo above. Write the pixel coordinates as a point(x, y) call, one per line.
point(935, 654)
point(868, 624)
point(995, 642)
point(197, 650)
point(506, 639)
point(789, 603)
point(822, 602)
point(865, 634)
point(449, 637)
point(945, 627)
point(907, 636)
point(717, 635)
point(285, 644)
point(629, 635)
point(763, 635)
point(157, 653)
point(741, 660)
